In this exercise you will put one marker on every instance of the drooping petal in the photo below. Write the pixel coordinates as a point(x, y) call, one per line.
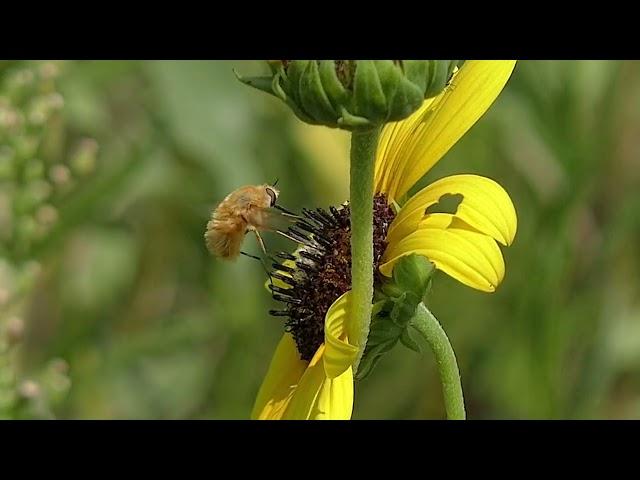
point(278, 386)
point(335, 401)
point(485, 206)
point(470, 257)
point(318, 397)
point(339, 354)
point(410, 148)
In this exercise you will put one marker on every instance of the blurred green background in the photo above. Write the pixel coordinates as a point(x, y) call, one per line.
point(111, 307)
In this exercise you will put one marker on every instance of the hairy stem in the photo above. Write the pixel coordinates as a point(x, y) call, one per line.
point(429, 327)
point(363, 151)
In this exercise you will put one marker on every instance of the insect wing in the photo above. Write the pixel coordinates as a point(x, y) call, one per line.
point(276, 219)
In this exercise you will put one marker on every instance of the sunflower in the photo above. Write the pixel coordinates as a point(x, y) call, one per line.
point(311, 373)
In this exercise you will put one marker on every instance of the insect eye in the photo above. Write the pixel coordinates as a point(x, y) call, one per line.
point(273, 196)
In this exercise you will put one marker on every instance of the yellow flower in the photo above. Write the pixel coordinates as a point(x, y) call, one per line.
point(463, 244)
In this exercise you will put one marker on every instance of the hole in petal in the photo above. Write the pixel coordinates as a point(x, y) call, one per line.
point(447, 203)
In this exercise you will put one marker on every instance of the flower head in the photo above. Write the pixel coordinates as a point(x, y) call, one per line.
point(311, 374)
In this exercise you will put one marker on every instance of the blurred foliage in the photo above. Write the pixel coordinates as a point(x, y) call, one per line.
point(111, 307)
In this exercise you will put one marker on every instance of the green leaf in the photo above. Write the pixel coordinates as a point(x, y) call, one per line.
point(407, 340)
point(261, 83)
point(412, 273)
point(410, 282)
point(371, 358)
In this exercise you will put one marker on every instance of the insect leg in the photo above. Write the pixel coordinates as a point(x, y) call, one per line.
point(250, 256)
point(261, 243)
point(264, 265)
point(279, 232)
point(263, 248)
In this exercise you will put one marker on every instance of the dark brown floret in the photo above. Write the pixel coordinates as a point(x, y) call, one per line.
point(323, 269)
point(345, 70)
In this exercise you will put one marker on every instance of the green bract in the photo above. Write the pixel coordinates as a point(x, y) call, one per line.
point(354, 94)
point(396, 307)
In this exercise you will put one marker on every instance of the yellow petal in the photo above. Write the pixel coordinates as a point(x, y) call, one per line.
point(320, 398)
point(393, 147)
point(470, 257)
point(339, 354)
point(434, 220)
point(485, 206)
point(410, 148)
point(335, 401)
point(277, 388)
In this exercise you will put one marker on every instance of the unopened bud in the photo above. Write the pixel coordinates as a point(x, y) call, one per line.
point(55, 101)
point(354, 94)
point(10, 119)
point(49, 70)
point(60, 174)
point(15, 330)
point(60, 366)
point(29, 389)
point(47, 216)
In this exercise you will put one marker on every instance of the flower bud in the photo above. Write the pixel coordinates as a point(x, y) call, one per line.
point(60, 174)
point(14, 330)
point(29, 389)
point(354, 94)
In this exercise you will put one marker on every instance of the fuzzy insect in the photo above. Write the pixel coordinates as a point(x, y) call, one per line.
point(244, 210)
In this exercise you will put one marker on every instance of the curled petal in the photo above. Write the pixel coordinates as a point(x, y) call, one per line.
point(278, 386)
point(318, 397)
point(339, 354)
point(470, 257)
point(485, 206)
point(410, 148)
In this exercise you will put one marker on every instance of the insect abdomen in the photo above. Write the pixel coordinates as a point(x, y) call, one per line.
point(223, 244)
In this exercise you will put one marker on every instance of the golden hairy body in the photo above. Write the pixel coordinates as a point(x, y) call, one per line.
point(243, 210)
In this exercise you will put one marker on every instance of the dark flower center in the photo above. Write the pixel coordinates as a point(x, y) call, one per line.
point(323, 269)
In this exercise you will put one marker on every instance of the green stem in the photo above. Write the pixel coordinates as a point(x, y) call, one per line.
point(363, 151)
point(427, 325)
